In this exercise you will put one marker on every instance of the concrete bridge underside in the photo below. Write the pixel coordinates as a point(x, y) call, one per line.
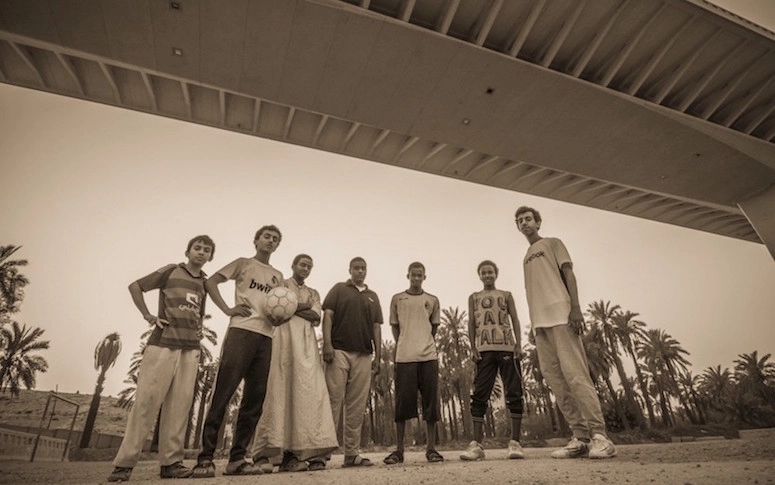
point(661, 109)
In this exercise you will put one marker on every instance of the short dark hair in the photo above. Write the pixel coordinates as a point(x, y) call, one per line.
point(270, 227)
point(524, 209)
point(205, 240)
point(299, 257)
point(416, 264)
point(487, 262)
point(357, 259)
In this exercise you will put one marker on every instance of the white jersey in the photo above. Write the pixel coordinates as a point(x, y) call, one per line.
point(252, 281)
point(547, 295)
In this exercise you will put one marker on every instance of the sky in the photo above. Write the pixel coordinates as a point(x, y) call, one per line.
point(99, 196)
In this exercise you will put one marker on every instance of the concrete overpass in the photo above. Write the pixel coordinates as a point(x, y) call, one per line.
point(661, 109)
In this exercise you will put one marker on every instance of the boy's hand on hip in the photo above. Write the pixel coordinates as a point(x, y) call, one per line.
point(159, 322)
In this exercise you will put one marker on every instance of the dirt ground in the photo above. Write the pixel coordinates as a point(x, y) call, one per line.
point(750, 459)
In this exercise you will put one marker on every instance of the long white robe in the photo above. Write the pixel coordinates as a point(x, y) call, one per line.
point(297, 411)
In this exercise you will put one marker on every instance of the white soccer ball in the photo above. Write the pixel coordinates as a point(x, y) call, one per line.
point(281, 303)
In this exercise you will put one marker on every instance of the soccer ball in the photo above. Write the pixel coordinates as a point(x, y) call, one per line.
point(281, 303)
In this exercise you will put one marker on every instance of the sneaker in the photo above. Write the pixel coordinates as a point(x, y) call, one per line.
point(120, 474)
point(574, 449)
point(601, 447)
point(474, 452)
point(176, 470)
point(515, 450)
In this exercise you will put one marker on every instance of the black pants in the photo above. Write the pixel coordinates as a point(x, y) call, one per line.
point(511, 374)
point(246, 355)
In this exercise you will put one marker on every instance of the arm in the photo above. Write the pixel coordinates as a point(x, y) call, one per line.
point(575, 318)
point(310, 311)
point(472, 330)
point(211, 285)
point(139, 301)
point(328, 348)
point(515, 326)
point(377, 339)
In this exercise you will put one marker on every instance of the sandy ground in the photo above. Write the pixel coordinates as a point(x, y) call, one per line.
point(750, 459)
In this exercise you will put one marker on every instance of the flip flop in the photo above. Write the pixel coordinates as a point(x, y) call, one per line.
point(315, 465)
point(433, 456)
point(204, 469)
point(394, 458)
point(357, 460)
point(244, 468)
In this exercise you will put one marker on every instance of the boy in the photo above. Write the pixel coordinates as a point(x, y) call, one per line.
point(245, 355)
point(297, 424)
point(170, 361)
point(414, 319)
point(493, 328)
point(557, 325)
point(352, 319)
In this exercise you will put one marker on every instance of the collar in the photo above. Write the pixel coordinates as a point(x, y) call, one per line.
point(201, 274)
point(350, 283)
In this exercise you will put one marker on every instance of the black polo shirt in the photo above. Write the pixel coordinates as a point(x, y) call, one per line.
point(355, 313)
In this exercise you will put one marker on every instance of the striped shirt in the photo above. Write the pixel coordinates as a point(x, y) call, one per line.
point(181, 302)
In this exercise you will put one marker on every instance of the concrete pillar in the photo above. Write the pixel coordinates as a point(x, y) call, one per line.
point(760, 211)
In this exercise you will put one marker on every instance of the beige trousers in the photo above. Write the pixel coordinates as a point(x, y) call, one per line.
point(564, 366)
point(348, 379)
point(166, 380)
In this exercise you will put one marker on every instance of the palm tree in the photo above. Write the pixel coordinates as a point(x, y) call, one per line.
point(12, 282)
point(664, 358)
point(531, 371)
point(600, 361)
point(629, 332)
point(717, 387)
point(105, 355)
point(605, 316)
point(756, 376)
point(17, 365)
point(126, 398)
point(455, 364)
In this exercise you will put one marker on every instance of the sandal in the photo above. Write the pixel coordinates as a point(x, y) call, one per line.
point(204, 469)
point(316, 465)
point(394, 458)
point(242, 468)
point(357, 460)
point(264, 464)
point(292, 464)
point(433, 456)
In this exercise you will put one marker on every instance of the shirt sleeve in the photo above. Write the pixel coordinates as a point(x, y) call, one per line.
point(560, 253)
point(394, 310)
point(331, 298)
point(316, 306)
point(157, 279)
point(231, 270)
point(435, 312)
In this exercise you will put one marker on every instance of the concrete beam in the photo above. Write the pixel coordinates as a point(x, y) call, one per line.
point(760, 211)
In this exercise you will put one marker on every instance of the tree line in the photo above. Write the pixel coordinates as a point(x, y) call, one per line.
point(659, 390)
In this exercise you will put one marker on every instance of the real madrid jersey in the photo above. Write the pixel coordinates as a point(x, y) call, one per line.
point(252, 281)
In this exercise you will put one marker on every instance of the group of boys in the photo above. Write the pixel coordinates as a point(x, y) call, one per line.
point(351, 327)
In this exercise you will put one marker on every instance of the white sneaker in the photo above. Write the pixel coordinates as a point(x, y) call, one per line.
point(474, 452)
point(574, 449)
point(515, 450)
point(601, 447)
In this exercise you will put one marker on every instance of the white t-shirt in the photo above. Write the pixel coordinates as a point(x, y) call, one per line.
point(252, 281)
point(415, 315)
point(547, 296)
